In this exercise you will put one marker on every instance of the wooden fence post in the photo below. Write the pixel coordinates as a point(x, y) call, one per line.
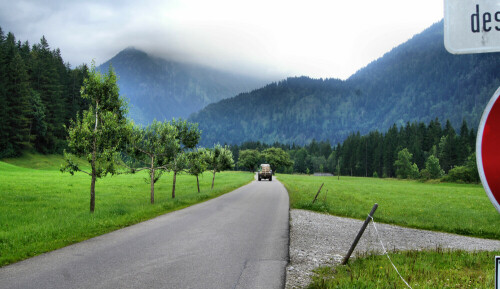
point(360, 233)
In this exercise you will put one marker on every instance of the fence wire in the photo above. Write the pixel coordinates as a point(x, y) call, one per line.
point(386, 253)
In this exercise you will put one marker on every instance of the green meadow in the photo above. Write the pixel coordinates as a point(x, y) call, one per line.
point(43, 209)
point(455, 208)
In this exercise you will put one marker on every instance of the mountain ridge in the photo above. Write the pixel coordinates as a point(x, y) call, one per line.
point(415, 81)
point(162, 89)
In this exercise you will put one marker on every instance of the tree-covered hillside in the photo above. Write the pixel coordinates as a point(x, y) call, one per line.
point(161, 89)
point(294, 110)
point(39, 95)
point(419, 80)
point(416, 81)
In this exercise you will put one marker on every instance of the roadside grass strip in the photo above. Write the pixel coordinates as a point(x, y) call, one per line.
point(43, 209)
point(422, 269)
point(462, 209)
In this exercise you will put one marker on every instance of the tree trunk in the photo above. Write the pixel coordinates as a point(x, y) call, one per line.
point(92, 182)
point(173, 185)
point(198, 183)
point(92, 191)
point(152, 171)
point(213, 180)
point(94, 173)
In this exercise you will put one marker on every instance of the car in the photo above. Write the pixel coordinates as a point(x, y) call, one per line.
point(265, 172)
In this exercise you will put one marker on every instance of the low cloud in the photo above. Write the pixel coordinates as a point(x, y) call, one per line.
point(264, 38)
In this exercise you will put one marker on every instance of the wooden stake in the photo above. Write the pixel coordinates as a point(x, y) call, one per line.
point(318, 193)
point(360, 233)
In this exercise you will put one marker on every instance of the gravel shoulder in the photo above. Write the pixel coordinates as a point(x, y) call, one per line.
point(323, 240)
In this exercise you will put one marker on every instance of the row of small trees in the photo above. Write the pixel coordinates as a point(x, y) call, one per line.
point(103, 135)
point(276, 157)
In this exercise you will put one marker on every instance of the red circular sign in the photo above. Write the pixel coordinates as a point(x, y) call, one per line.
point(488, 150)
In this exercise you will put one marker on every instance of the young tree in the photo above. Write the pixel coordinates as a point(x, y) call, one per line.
point(219, 159)
point(153, 147)
point(433, 168)
point(101, 131)
point(404, 168)
point(177, 165)
point(249, 159)
point(188, 135)
point(196, 164)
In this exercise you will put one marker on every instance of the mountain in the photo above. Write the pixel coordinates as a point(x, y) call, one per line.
point(416, 81)
point(161, 89)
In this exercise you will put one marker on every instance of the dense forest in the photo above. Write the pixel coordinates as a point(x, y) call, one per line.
point(162, 89)
point(416, 81)
point(39, 94)
point(376, 153)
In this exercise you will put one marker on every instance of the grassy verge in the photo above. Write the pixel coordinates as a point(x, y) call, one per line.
point(428, 269)
point(456, 208)
point(43, 209)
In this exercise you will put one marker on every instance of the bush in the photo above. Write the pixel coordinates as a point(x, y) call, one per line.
point(375, 175)
point(461, 174)
point(425, 175)
point(464, 174)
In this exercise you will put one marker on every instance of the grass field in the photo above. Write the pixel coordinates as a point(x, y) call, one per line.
point(428, 269)
point(456, 208)
point(43, 209)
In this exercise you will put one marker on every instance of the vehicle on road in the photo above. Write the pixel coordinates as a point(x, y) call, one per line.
point(265, 172)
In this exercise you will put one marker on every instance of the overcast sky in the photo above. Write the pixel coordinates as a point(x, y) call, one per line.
point(271, 39)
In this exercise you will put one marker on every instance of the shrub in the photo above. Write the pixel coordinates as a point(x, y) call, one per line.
point(425, 175)
point(460, 174)
point(464, 174)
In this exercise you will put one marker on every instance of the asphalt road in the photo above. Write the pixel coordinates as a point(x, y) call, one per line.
point(239, 240)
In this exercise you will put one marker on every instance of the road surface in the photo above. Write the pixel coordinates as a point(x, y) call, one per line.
point(239, 240)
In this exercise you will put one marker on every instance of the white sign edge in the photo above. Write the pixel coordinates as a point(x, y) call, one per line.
point(479, 156)
point(497, 269)
point(450, 48)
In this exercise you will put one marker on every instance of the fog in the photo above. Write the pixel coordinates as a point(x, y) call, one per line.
point(268, 39)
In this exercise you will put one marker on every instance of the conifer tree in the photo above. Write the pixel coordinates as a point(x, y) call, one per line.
point(45, 80)
point(4, 136)
point(17, 98)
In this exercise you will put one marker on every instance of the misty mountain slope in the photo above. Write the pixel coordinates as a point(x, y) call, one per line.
point(416, 81)
point(419, 80)
point(282, 111)
point(161, 89)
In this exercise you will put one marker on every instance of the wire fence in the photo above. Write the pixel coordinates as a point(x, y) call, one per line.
point(386, 253)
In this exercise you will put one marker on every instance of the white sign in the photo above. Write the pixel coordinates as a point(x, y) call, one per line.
point(472, 26)
point(497, 269)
